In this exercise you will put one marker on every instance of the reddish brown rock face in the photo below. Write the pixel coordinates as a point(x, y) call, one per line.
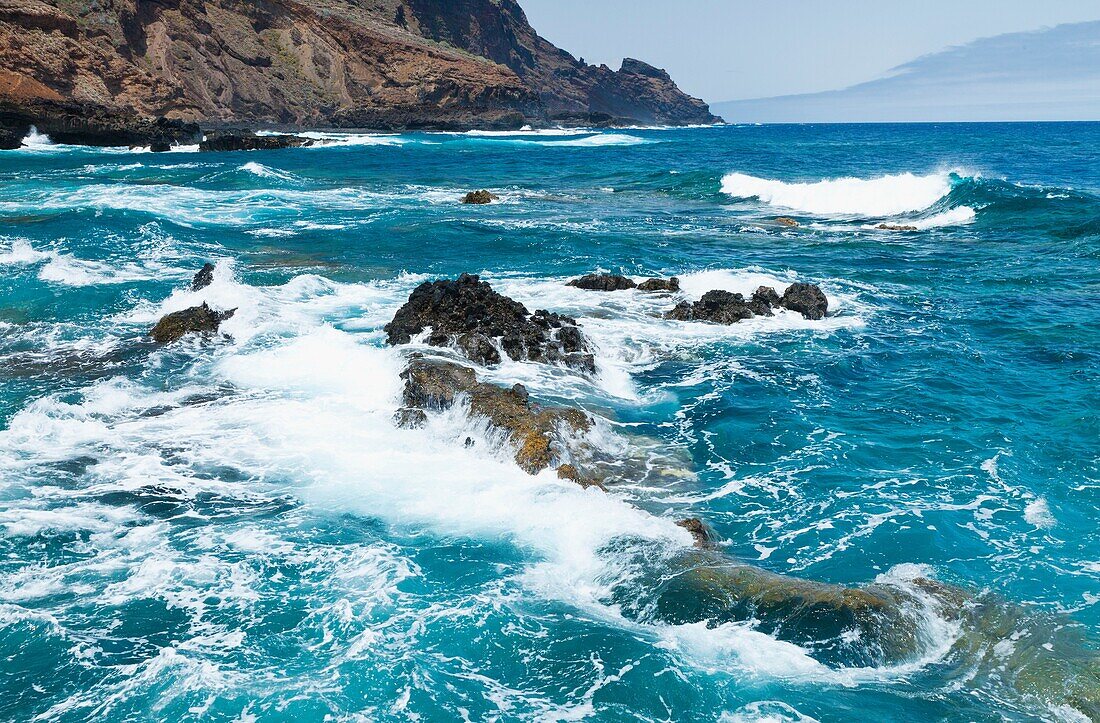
point(386, 64)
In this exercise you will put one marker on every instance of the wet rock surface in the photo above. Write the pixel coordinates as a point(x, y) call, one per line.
point(670, 284)
point(543, 436)
point(236, 140)
point(895, 227)
point(195, 320)
point(481, 324)
point(203, 278)
point(787, 221)
point(603, 282)
point(726, 307)
point(479, 198)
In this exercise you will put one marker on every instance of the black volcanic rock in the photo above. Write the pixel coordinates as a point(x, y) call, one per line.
point(247, 141)
point(725, 307)
point(466, 313)
point(203, 278)
point(718, 306)
point(807, 299)
point(603, 282)
point(670, 284)
point(92, 125)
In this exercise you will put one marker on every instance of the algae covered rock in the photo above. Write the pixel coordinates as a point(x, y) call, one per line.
point(195, 320)
point(541, 435)
point(480, 198)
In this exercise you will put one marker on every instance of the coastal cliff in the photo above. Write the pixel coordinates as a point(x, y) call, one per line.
point(103, 71)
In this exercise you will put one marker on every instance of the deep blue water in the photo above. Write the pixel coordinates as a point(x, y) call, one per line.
point(233, 529)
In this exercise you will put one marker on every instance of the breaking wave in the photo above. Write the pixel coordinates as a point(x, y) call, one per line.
point(871, 197)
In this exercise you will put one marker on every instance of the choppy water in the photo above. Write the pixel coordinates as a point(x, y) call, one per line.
point(235, 530)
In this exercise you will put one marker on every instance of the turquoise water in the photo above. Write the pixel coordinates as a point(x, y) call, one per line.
point(233, 529)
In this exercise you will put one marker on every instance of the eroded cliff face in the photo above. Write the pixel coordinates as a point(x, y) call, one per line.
point(388, 64)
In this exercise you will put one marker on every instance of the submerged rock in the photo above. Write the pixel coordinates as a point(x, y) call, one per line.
point(480, 323)
point(203, 278)
point(603, 282)
point(786, 221)
point(698, 530)
point(196, 320)
point(543, 436)
point(480, 198)
point(670, 284)
point(236, 140)
point(807, 299)
point(726, 307)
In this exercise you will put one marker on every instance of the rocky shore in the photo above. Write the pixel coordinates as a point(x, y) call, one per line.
point(881, 623)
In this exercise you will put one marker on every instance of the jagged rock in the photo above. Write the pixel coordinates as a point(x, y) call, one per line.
point(786, 221)
point(807, 299)
point(408, 418)
point(10, 139)
point(718, 306)
point(197, 319)
point(203, 278)
point(468, 314)
point(247, 141)
point(85, 124)
point(480, 198)
point(895, 227)
point(725, 307)
point(603, 282)
point(670, 284)
point(540, 434)
point(698, 531)
point(763, 300)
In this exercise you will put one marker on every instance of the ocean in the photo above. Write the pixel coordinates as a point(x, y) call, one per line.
point(233, 528)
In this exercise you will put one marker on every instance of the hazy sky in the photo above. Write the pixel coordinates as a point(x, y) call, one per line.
point(747, 49)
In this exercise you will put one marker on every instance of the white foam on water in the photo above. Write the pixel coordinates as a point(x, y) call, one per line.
point(21, 253)
point(262, 171)
point(875, 197)
point(354, 139)
point(1038, 513)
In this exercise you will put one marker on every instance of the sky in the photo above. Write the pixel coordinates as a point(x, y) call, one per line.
point(736, 49)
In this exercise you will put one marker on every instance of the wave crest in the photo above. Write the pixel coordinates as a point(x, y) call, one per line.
point(875, 197)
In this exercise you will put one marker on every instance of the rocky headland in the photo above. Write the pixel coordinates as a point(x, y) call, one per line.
point(145, 73)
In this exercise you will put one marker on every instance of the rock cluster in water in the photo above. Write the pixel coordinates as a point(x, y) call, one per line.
point(726, 307)
point(616, 282)
point(469, 316)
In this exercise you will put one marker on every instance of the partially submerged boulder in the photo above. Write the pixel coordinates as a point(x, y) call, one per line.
point(807, 299)
point(786, 221)
point(481, 324)
point(698, 530)
point(195, 320)
point(203, 278)
point(895, 227)
point(480, 198)
point(718, 306)
point(543, 436)
point(603, 282)
point(239, 140)
point(726, 307)
point(671, 284)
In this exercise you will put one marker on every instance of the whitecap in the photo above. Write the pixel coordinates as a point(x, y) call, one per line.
point(875, 197)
